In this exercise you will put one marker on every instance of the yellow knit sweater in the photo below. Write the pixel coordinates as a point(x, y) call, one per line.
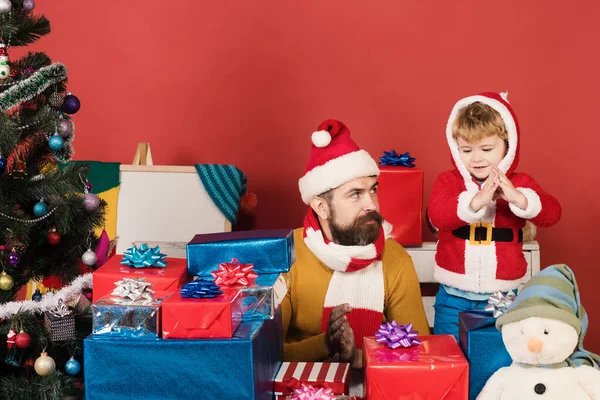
point(308, 281)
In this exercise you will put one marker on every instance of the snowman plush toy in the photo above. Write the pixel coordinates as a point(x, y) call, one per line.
point(543, 331)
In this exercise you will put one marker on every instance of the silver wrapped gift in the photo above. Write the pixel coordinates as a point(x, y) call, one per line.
point(131, 310)
point(59, 322)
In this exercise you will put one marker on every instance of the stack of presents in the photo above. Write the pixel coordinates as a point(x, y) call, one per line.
point(210, 326)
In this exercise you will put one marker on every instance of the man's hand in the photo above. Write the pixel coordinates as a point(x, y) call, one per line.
point(508, 192)
point(348, 351)
point(487, 192)
point(337, 320)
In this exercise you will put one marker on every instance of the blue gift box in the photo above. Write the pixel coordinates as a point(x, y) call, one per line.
point(483, 346)
point(271, 251)
point(262, 299)
point(242, 367)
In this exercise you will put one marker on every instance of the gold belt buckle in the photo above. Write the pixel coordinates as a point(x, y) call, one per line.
point(488, 233)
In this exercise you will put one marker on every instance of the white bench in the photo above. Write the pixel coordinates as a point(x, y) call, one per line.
point(424, 260)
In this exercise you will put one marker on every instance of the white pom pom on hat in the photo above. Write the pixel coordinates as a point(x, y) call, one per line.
point(321, 138)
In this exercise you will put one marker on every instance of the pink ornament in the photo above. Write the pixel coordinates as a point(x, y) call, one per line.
point(90, 202)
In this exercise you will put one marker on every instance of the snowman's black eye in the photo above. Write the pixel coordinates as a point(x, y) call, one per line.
point(546, 332)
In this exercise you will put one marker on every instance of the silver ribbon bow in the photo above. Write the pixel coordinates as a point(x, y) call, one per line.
point(498, 303)
point(134, 289)
point(60, 310)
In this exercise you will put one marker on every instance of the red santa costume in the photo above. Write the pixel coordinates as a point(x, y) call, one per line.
point(481, 252)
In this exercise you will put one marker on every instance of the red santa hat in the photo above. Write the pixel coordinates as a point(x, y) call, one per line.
point(334, 160)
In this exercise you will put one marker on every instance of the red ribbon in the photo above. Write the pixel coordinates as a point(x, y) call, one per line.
point(234, 273)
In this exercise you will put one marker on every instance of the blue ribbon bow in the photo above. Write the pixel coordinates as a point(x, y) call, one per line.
point(397, 160)
point(144, 257)
point(200, 289)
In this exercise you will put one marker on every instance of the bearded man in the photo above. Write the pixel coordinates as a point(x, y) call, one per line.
point(349, 275)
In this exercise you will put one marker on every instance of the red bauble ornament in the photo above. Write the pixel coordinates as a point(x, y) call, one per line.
point(53, 238)
point(23, 340)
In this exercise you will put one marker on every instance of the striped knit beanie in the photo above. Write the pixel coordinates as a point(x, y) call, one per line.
point(225, 184)
point(553, 294)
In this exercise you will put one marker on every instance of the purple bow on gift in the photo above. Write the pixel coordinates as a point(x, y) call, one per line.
point(395, 335)
point(308, 392)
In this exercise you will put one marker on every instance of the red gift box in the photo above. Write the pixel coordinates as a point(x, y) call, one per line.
point(401, 202)
point(169, 278)
point(434, 370)
point(190, 318)
point(328, 375)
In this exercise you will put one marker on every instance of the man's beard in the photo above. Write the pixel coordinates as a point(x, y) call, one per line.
point(359, 233)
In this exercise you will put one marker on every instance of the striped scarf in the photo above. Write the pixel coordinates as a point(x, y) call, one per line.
point(357, 277)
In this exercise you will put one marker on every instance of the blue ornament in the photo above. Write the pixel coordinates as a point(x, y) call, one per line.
point(40, 209)
point(72, 367)
point(2, 163)
point(56, 142)
point(71, 104)
point(37, 296)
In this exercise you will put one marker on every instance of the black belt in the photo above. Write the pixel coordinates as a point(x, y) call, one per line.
point(479, 233)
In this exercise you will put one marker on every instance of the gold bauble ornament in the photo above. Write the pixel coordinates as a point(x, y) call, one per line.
point(6, 281)
point(44, 365)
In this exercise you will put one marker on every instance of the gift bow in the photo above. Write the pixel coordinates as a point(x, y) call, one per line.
point(144, 257)
point(60, 310)
point(294, 384)
point(397, 160)
point(234, 273)
point(395, 335)
point(133, 289)
point(498, 303)
point(200, 289)
point(307, 392)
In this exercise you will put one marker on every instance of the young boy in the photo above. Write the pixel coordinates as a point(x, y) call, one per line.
point(480, 209)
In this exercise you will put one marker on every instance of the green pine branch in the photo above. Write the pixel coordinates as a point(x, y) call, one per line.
point(8, 135)
point(23, 28)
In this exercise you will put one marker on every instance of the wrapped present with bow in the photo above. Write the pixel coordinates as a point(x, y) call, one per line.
point(401, 196)
point(164, 273)
point(262, 294)
point(482, 342)
point(202, 309)
point(329, 377)
point(59, 322)
point(241, 367)
point(132, 309)
point(399, 364)
point(270, 251)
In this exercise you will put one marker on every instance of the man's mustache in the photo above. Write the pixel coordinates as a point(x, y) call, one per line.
point(370, 216)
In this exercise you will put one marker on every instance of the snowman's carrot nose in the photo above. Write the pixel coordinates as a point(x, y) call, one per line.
point(535, 345)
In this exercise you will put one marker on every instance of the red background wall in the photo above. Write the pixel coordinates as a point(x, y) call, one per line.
point(246, 82)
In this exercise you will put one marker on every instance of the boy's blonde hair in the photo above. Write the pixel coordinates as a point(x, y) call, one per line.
point(478, 121)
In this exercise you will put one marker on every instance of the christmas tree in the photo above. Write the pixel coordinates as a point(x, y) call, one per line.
point(48, 216)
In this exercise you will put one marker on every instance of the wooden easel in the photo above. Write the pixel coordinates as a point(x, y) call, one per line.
point(143, 155)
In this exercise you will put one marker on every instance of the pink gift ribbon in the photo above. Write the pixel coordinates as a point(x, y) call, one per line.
point(308, 392)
